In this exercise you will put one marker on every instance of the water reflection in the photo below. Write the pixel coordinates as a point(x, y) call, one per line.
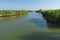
point(4, 19)
point(41, 36)
point(54, 28)
point(39, 22)
point(53, 25)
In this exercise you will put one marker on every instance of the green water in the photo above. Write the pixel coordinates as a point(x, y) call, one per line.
point(17, 28)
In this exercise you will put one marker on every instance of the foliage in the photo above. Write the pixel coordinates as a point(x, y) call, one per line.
point(51, 14)
point(12, 11)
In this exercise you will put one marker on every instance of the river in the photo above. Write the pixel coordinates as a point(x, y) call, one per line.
point(32, 26)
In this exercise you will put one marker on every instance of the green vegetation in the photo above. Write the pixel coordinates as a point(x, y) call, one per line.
point(51, 15)
point(7, 13)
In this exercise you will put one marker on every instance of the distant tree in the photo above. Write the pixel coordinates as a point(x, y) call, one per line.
point(40, 10)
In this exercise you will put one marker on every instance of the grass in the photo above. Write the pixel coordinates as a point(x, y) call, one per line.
point(4, 13)
point(52, 14)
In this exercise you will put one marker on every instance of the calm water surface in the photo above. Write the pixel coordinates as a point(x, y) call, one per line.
point(19, 28)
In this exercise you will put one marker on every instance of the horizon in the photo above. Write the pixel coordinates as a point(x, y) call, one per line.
point(29, 4)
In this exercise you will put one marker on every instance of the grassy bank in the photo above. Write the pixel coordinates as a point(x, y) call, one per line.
point(8, 13)
point(52, 16)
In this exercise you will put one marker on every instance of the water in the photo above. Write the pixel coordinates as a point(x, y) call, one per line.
point(23, 28)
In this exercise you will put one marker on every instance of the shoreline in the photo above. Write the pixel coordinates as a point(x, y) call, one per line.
point(9, 13)
point(52, 16)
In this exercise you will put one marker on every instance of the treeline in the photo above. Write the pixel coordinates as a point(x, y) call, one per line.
point(7, 13)
point(52, 16)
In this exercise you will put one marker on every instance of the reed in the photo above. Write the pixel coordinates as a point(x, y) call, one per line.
point(51, 15)
point(7, 13)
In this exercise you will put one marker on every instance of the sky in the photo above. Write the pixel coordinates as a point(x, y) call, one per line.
point(29, 4)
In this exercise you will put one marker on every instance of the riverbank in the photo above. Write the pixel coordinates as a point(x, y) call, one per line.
point(9, 13)
point(52, 16)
